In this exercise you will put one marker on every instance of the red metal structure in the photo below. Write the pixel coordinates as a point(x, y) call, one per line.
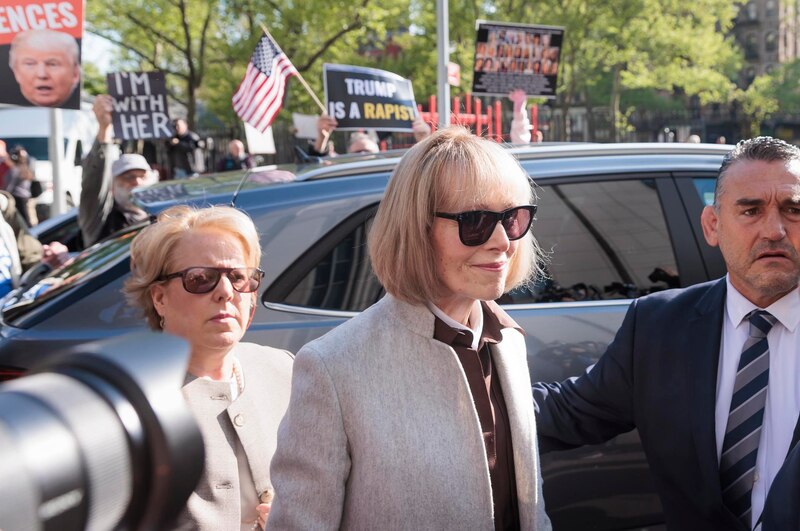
point(488, 123)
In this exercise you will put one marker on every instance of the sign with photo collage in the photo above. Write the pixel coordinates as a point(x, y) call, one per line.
point(516, 56)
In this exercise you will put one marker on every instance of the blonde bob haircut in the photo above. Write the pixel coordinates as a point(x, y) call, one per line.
point(450, 171)
point(152, 249)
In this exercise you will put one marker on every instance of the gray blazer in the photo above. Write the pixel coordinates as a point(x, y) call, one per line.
point(382, 433)
point(252, 418)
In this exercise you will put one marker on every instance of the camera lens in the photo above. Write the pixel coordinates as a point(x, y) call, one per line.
point(54, 424)
point(99, 438)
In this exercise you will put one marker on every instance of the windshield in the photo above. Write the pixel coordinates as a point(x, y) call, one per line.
point(86, 266)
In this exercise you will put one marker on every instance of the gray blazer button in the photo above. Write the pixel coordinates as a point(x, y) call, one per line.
point(239, 420)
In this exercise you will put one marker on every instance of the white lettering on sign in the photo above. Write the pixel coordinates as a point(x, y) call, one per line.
point(144, 126)
point(50, 15)
point(370, 87)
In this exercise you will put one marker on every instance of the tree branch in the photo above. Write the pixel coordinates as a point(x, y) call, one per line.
point(138, 53)
point(202, 52)
point(149, 28)
point(328, 43)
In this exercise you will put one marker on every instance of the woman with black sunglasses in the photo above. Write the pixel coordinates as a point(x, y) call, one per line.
point(195, 274)
point(417, 413)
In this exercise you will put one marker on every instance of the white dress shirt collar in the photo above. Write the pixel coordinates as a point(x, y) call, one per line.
point(737, 307)
point(475, 319)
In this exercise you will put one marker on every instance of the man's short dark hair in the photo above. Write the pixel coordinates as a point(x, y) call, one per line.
point(764, 148)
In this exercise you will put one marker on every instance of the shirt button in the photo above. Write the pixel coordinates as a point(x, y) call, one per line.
point(239, 420)
point(755, 477)
point(266, 496)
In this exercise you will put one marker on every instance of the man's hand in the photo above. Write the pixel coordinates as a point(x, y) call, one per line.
point(420, 128)
point(325, 126)
point(520, 98)
point(103, 107)
point(55, 254)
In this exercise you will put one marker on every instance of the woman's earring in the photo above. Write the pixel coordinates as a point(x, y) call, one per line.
point(161, 322)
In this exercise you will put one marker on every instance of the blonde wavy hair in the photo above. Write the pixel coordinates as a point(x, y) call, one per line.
point(152, 249)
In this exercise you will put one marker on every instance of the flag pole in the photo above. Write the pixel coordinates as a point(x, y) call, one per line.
point(300, 78)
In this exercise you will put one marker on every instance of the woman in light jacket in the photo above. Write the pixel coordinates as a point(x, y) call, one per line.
point(417, 413)
point(195, 275)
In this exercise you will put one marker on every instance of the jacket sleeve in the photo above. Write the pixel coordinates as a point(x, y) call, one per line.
point(97, 200)
point(30, 249)
point(311, 464)
point(594, 407)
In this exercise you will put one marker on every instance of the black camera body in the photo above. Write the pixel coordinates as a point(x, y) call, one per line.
point(99, 437)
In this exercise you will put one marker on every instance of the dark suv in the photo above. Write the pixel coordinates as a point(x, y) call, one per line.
point(619, 221)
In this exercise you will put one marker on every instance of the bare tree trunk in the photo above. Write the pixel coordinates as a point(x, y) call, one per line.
point(566, 103)
point(589, 117)
point(615, 97)
point(563, 135)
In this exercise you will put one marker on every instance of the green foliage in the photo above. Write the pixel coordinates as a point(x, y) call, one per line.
point(178, 37)
point(611, 49)
point(660, 45)
point(770, 93)
point(94, 82)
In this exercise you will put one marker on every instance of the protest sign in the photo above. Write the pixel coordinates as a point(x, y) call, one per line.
point(45, 67)
point(305, 125)
point(516, 56)
point(259, 143)
point(368, 98)
point(140, 105)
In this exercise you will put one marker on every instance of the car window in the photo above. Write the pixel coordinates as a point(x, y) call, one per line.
point(705, 187)
point(86, 266)
point(342, 278)
point(605, 240)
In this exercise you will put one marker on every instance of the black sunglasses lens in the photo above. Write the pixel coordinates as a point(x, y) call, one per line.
point(245, 280)
point(476, 227)
point(516, 222)
point(200, 279)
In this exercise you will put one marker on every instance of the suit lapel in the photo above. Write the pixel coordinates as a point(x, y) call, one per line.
point(701, 345)
point(510, 363)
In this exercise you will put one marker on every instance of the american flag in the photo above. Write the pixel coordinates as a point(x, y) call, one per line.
point(260, 94)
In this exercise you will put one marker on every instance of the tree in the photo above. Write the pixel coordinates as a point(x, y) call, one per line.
point(178, 37)
point(671, 47)
point(204, 46)
point(637, 44)
point(768, 94)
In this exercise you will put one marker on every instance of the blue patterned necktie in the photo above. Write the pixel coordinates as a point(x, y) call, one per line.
point(740, 446)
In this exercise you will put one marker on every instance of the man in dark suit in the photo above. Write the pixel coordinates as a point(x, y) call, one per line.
point(780, 509)
point(710, 375)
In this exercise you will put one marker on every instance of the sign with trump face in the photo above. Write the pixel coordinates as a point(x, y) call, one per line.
point(40, 52)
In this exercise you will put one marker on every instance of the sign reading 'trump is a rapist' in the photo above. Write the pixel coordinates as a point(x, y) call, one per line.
point(140, 105)
point(368, 98)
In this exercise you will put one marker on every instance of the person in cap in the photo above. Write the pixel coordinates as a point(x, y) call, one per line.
point(108, 180)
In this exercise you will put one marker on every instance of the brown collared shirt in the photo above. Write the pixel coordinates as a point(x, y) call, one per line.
point(487, 395)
